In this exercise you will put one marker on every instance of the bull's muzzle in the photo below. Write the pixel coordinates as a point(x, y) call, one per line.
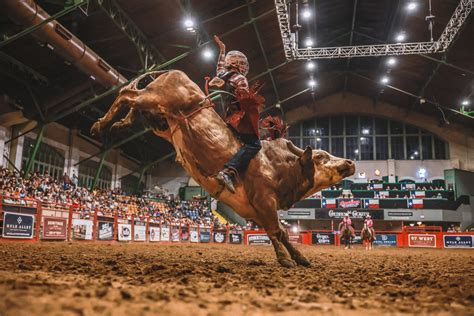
point(347, 168)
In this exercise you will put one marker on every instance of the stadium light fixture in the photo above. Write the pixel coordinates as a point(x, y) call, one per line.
point(384, 80)
point(318, 139)
point(207, 54)
point(365, 131)
point(294, 229)
point(310, 65)
point(400, 37)
point(465, 102)
point(392, 61)
point(412, 6)
point(189, 24)
point(306, 14)
point(309, 42)
point(312, 83)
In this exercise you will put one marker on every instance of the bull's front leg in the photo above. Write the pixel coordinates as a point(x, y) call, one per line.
point(126, 97)
point(127, 121)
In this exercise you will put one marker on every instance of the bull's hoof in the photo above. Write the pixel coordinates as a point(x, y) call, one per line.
point(95, 129)
point(287, 263)
point(117, 126)
point(302, 261)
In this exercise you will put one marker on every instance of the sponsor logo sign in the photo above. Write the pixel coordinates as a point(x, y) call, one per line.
point(297, 213)
point(105, 230)
point(205, 236)
point(193, 235)
point(139, 233)
point(339, 213)
point(82, 229)
point(235, 238)
point(422, 240)
point(387, 240)
point(175, 233)
point(165, 233)
point(17, 225)
point(155, 233)
point(458, 241)
point(184, 233)
point(258, 240)
point(323, 238)
point(54, 228)
point(400, 215)
point(124, 232)
point(349, 203)
point(219, 237)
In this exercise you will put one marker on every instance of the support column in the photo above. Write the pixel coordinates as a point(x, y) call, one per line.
point(99, 170)
point(32, 157)
point(16, 150)
point(3, 136)
point(391, 170)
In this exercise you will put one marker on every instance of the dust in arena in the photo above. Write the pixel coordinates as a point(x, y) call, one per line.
point(239, 157)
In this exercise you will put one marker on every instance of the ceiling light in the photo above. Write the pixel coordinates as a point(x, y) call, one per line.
point(465, 102)
point(391, 61)
point(400, 37)
point(308, 42)
point(365, 131)
point(384, 80)
point(207, 53)
point(306, 13)
point(310, 65)
point(312, 83)
point(318, 139)
point(188, 23)
point(415, 153)
point(412, 6)
point(356, 151)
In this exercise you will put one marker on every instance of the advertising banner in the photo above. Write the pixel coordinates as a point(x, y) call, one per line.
point(297, 213)
point(139, 232)
point(258, 240)
point(219, 236)
point(193, 235)
point(184, 233)
point(154, 233)
point(422, 240)
point(235, 238)
point(82, 229)
point(17, 225)
point(54, 228)
point(105, 230)
point(323, 238)
point(386, 240)
point(175, 233)
point(338, 213)
point(349, 203)
point(458, 241)
point(205, 236)
point(165, 233)
point(124, 232)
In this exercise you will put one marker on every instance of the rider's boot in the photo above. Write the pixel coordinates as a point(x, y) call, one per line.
point(227, 177)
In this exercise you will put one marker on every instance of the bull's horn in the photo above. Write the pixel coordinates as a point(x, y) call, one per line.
point(295, 150)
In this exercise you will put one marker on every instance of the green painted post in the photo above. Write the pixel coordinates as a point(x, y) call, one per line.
point(39, 138)
point(99, 170)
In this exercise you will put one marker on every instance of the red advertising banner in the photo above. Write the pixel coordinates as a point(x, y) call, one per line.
point(54, 228)
point(422, 240)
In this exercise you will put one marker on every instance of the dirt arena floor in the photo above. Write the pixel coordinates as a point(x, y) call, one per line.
point(188, 279)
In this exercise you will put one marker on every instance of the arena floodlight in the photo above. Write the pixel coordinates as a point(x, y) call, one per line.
point(365, 131)
point(306, 14)
point(384, 80)
point(312, 83)
point(309, 42)
point(310, 65)
point(189, 24)
point(412, 6)
point(392, 61)
point(465, 102)
point(400, 37)
point(318, 139)
point(207, 53)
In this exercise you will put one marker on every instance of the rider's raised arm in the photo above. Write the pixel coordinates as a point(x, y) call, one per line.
point(220, 69)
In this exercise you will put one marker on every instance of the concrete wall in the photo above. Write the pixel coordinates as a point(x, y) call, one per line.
point(460, 139)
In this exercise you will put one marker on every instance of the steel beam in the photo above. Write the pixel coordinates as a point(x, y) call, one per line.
point(99, 170)
point(33, 28)
point(262, 49)
point(131, 30)
point(150, 164)
point(351, 41)
point(32, 157)
point(27, 73)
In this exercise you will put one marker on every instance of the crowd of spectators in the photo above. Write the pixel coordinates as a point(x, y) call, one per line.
point(65, 192)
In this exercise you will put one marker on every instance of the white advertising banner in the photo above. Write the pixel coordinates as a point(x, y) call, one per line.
point(124, 232)
point(165, 234)
point(139, 232)
point(155, 233)
point(82, 229)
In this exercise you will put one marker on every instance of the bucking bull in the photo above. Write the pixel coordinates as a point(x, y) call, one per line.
point(277, 177)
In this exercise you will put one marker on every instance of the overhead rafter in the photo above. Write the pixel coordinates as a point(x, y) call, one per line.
point(351, 41)
point(150, 54)
point(26, 73)
point(293, 52)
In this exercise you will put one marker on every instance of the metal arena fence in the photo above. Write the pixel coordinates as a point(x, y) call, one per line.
point(32, 221)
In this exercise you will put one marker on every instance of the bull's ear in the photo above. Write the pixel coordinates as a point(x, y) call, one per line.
point(307, 156)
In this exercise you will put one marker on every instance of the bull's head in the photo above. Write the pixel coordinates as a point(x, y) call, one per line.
point(327, 169)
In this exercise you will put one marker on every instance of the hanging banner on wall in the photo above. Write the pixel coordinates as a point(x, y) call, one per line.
point(338, 213)
point(54, 228)
point(16, 225)
point(204, 236)
point(154, 233)
point(323, 238)
point(219, 236)
point(165, 233)
point(235, 238)
point(175, 233)
point(124, 232)
point(458, 241)
point(82, 229)
point(139, 233)
point(105, 230)
point(386, 240)
point(258, 239)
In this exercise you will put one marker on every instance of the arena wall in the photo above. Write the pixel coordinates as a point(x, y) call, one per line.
point(461, 140)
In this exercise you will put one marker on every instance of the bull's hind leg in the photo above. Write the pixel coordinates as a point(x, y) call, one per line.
point(294, 253)
point(126, 97)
